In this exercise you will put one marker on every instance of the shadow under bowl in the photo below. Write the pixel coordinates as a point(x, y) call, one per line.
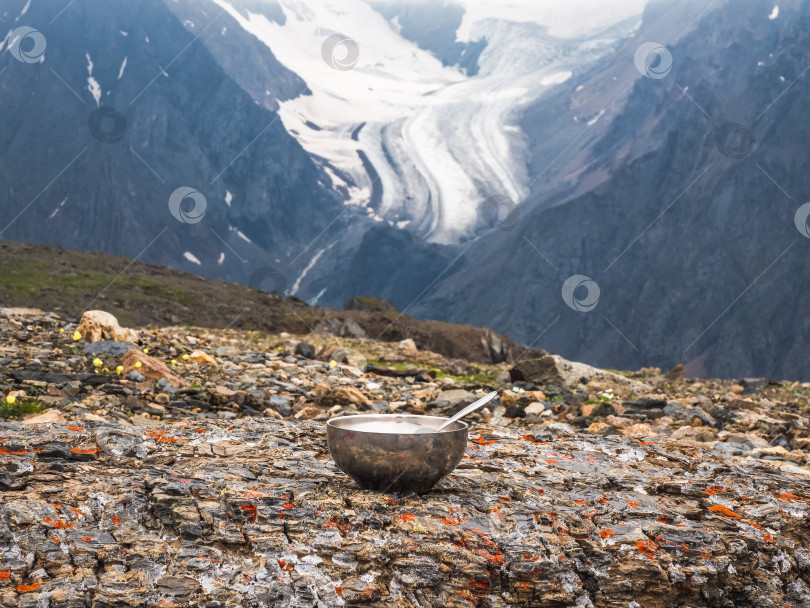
point(382, 452)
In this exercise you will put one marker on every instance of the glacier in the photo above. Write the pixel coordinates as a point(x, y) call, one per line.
point(420, 144)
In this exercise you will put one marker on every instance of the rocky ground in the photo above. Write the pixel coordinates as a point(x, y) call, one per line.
point(183, 467)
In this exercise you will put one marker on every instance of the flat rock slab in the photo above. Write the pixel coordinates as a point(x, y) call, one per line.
point(254, 513)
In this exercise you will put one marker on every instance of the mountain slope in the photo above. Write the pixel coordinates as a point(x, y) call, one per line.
point(695, 253)
point(185, 122)
point(69, 282)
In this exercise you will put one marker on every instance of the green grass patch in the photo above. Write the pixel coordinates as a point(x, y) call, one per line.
point(32, 278)
point(622, 372)
point(483, 378)
point(20, 408)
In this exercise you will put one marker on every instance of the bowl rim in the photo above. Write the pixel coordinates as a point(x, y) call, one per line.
point(464, 426)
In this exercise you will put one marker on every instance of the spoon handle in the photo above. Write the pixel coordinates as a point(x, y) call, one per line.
point(470, 408)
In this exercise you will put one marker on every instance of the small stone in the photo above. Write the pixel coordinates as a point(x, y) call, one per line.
point(149, 367)
point(309, 412)
point(381, 406)
point(89, 417)
point(144, 420)
point(596, 410)
point(156, 409)
point(162, 399)
point(407, 344)
point(177, 585)
point(108, 347)
point(737, 389)
point(163, 384)
point(202, 358)
point(597, 426)
point(342, 395)
point(639, 430)
point(781, 440)
point(731, 449)
point(48, 416)
point(98, 325)
point(281, 404)
point(619, 422)
point(515, 411)
point(535, 408)
point(697, 421)
point(135, 376)
point(304, 349)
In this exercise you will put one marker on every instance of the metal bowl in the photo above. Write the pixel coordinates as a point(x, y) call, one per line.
point(395, 452)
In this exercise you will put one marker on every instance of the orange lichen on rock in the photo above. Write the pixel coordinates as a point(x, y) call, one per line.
point(160, 436)
point(724, 510)
point(26, 588)
point(250, 511)
point(405, 516)
point(56, 523)
point(606, 533)
point(6, 452)
point(92, 450)
point(482, 441)
point(647, 547)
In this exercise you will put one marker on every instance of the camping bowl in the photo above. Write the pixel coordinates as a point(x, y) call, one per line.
point(395, 452)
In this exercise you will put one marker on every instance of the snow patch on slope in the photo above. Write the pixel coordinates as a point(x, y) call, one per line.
point(307, 268)
point(92, 83)
point(569, 19)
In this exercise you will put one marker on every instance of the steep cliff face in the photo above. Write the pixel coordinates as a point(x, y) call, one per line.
point(689, 234)
point(176, 119)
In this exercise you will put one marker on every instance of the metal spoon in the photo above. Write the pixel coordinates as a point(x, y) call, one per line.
point(469, 409)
